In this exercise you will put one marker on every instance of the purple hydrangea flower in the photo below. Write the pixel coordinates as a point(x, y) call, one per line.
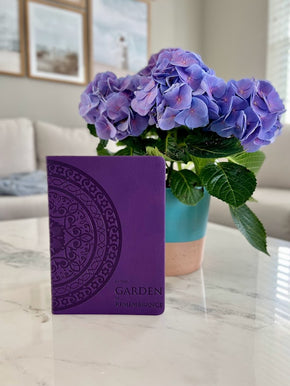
point(167, 119)
point(266, 99)
point(106, 103)
point(195, 116)
point(174, 82)
point(192, 76)
point(117, 106)
point(177, 89)
point(88, 107)
point(105, 129)
point(225, 102)
point(182, 58)
point(144, 99)
point(178, 96)
point(214, 87)
point(263, 116)
point(253, 116)
point(243, 87)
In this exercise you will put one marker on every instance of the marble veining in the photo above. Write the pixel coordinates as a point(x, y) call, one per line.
point(226, 325)
point(19, 258)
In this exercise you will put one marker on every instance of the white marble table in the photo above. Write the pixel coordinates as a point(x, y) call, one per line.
point(226, 325)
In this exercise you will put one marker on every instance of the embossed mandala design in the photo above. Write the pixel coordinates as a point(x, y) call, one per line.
point(85, 234)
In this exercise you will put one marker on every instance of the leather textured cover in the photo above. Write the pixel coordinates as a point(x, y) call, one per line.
point(106, 217)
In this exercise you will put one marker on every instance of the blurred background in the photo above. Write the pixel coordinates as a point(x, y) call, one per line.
point(237, 38)
point(49, 50)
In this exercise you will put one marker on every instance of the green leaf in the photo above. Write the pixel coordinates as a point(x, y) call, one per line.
point(252, 161)
point(206, 144)
point(186, 186)
point(229, 182)
point(171, 146)
point(252, 199)
point(176, 151)
point(103, 152)
point(101, 148)
point(137, 144)
point(155, 152)
point(119, 143)
point(126, 151)
point(103, 143)
point(250, 226)
point(92, 129)
point(200, 163)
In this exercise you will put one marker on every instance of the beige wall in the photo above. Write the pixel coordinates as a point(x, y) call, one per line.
point(176, 23)
point(40, 100)
point(229, 34)
point(234, 37)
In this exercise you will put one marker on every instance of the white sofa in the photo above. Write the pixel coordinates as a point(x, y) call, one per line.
point(24, 146)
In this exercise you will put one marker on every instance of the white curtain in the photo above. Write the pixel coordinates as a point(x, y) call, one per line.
point(278, 58)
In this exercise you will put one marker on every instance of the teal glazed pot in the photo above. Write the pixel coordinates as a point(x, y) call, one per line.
point(185, 234)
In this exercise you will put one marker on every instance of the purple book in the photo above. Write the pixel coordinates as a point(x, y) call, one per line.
point(106, 217)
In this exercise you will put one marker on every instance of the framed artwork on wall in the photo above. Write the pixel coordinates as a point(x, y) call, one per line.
point(56, 42)
point(76, 3)
point(11, 38)
point(119, 35)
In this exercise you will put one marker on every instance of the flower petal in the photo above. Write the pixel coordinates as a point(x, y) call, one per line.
point(196, 116)
point(167, 120)
point(138, 125)
point(117, 106)
point(191, 75)
point(105, 129)
point(179, 96)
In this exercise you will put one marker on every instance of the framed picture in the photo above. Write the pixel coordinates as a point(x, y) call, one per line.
point(57, 47)
point(76, 3)
point(11, 37)
point(119, 35)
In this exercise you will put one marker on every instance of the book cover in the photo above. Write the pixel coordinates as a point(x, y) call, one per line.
point(106, 220)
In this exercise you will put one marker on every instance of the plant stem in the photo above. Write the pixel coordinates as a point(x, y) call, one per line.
point(166, 143)
point(169, 171)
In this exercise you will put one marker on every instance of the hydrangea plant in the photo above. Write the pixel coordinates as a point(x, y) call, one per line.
point(209, 131)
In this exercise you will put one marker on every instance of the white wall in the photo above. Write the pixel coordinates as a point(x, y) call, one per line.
point(234, 37)
point(40, 100)
point(173, 23)
point(229, 34)
point(176, 23)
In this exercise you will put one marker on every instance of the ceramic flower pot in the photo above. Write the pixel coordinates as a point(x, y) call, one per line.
point(185, 234)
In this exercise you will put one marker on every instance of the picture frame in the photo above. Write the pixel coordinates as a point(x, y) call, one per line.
point(56, 42)
point(74, 3)
point(114, 43)
point(12, 55)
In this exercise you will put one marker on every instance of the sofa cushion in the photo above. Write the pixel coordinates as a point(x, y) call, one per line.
point(272, 208)
point(275, 172)
point(17, 152)
point(24, 184)
point(56, 140)
point(12, 207)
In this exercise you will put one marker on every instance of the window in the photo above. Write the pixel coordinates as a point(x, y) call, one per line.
point(278, 59)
